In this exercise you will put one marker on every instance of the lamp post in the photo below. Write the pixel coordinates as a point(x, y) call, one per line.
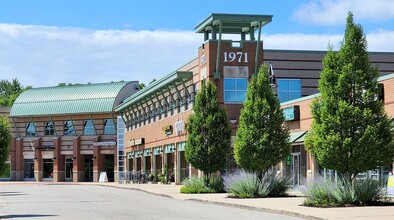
point(272, 80)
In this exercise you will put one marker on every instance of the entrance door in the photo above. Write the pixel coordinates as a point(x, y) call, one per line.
point(88, 168)
point(109, 167)
point(28, 169)
point(47, 169)
point(69, 169)
point(295, 168)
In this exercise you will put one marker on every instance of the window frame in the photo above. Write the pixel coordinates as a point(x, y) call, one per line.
point(50, 132)
point(235, 91)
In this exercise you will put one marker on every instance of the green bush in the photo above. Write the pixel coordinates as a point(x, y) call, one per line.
point(243, 184)
point(197, 185)
point(326, 193)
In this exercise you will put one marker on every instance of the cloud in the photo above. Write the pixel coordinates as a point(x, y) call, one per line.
point(45, 56)
point(334, 12)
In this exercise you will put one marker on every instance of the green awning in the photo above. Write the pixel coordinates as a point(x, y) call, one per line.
point(297, 137)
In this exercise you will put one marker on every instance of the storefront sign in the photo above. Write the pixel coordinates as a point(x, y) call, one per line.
point(167, 129)
point(45, 147)
point(179, 126)
point(390, 186)
point(291, 113)
point(110, 143)
point(134, 142)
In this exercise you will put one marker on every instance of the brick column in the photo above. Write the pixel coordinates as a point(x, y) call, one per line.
point(17, 168)
point(116, 163)
point(59, 163)
point(98, 160)
point(38, 160)
point(78, 162)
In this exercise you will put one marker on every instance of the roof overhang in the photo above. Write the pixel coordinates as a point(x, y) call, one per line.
point(163, 85)
point(233, 23)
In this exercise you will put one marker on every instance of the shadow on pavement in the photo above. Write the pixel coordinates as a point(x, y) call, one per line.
point(11, 194)
point(25, 216)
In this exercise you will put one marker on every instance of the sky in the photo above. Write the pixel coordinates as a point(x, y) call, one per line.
point(45, 42)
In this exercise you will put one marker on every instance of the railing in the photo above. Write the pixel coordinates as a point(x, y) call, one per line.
point(133, 177)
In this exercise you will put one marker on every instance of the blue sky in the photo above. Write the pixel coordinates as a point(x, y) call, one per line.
point(45, 42)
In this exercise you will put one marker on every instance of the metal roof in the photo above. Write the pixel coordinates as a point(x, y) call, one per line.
point(89, 98)
point(233, 23)
point(173, 79)
point(297, 137)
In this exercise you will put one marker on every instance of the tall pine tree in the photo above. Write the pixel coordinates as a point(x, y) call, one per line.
point(262, 137)
point(350, 132)
point(209, 133)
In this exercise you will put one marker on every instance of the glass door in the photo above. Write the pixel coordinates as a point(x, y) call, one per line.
point(69, 169)
point(28, 169)
point(295, 168)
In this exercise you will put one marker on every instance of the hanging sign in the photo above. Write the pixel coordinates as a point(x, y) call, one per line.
point(291, 113)
point(179, 126)
point(390, 186)
point(167, 129)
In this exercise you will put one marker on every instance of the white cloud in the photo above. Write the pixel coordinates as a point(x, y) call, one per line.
point(334, 12)
point(45, 56)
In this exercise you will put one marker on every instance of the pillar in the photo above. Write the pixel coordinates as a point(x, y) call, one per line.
point(17, 168)
point(59, 164)
point(38, 160)
point(78, 162)
point(116, 179)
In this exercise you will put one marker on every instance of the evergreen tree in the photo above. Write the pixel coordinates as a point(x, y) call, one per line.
point(209, 133)
point(262, 136)
point(350, 132)
point(4, 140)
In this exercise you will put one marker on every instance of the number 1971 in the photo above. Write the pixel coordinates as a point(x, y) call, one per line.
point(232, 56)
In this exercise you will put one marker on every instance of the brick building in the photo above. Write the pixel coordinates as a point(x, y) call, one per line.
point(301, 164)
point(66, 133)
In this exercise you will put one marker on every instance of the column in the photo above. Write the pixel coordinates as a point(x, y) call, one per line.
point(59, 163)
point(78, 161)
point(17, 165)
point(38, 160)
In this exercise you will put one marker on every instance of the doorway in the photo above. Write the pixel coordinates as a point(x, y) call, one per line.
point(109, 167)
point(295, 168)
point(69, 169)
point(88, 168)
point(28, 169)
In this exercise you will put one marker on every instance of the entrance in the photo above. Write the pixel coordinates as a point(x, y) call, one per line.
point(109, 167)
point(28, 169)
point(88, 168)
point(69, 169)
point(295, 168)
point(47, 169)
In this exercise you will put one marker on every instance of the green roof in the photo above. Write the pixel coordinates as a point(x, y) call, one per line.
point(233, 23)
point(89, 98)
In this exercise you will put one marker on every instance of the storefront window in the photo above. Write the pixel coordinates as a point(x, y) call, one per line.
point(109, 126)
point(49, 128)
point(28, 168)
point(68, 128)
point(88, 128)
point(289, 89)
point(30, 129)
point(69, 168)
point(235, 90)
point(47, 168)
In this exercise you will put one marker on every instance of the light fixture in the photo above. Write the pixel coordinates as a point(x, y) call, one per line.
point(74, 158)
point(233, 121)
point(93, 158)
point(54, 158)
point(35, 158)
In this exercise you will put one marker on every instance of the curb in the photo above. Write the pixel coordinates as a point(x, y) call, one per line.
point(252, 208)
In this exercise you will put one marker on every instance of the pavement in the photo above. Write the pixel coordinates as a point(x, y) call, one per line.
point(290, 206)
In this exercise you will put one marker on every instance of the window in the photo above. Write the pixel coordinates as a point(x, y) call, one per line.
point(235, 89)
point(30, 129)
point(109, 126)
point(49, 128)
point(88, 128)
point(289, 89)
point(69, 128)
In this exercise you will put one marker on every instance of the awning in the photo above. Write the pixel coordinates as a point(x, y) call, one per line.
point(297, 137)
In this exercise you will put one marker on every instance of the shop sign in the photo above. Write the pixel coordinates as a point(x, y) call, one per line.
point(390, 186)
point(179, 126)
point(45, 147)
point(109, 143)
point(291, 113)
point(134, 142)
point(167, 129)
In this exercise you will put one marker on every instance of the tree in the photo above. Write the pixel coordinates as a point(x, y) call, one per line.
point(9, 91)
point(209, 134)
point(4, 140)
point(141, 86)
point(350, 131)
point(262, 139)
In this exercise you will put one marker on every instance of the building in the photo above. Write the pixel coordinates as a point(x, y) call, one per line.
point(156, 116)
point(66, 133)
point(297, 71)
point(301, 164)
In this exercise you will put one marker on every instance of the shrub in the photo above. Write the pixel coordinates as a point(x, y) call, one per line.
point(247, 185)
point(326, 193)
point(197, 185)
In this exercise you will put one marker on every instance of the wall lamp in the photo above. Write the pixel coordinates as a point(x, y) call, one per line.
point(74, 158)
point(54, 158)
point(93, 158)
point(35, 158)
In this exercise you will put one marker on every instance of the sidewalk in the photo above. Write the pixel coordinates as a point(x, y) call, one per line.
point(290, 206)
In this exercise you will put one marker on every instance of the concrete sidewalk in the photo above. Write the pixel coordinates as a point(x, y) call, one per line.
point(290, 206)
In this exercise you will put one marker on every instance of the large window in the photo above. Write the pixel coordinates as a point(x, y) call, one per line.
point(88, 128)
point(235, 90)
point(69, 128)
point(109, 126)
point(49, 128)
point(289, 89)
point(30, 129)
